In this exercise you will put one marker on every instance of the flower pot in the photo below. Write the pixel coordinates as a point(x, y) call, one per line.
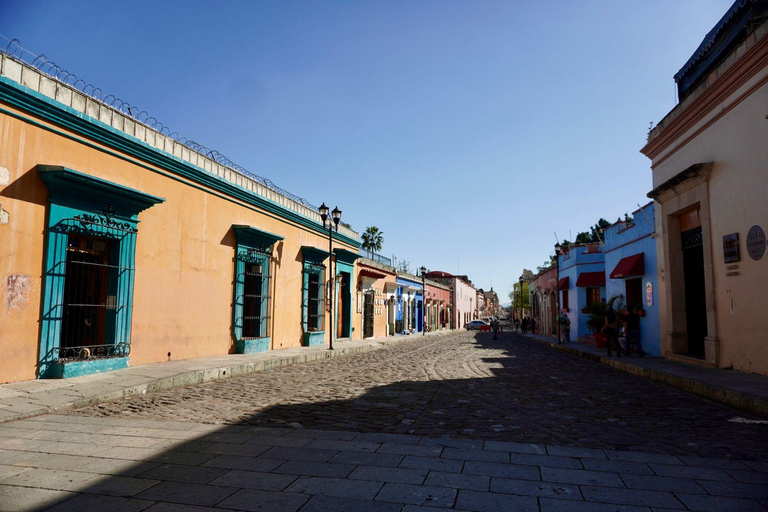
point(641, 313)
point(600, 339)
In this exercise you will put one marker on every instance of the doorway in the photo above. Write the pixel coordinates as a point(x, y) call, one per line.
point(368, 306)
point(695, 298)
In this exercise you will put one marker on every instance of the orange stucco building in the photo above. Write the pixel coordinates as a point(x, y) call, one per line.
point(120, 244)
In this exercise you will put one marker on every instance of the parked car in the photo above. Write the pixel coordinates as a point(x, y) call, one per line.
point(478, 325)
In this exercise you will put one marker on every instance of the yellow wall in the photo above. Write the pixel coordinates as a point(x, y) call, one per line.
point(184, 256)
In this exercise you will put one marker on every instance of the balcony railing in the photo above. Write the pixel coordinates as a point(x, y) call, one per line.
point(378, 258)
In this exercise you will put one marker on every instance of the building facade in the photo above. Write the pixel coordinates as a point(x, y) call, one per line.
point(410, 304)
point(543, 301)
point(708, 163)
point(122, 244)
point(376, 296)
point(631, 271)
point(582, 281)
point(463, 297)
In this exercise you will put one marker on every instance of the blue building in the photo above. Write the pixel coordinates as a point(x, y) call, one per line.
point(582, 281)
point(409, 316)
point(630, 265)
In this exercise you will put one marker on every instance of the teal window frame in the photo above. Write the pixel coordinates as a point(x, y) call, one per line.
point(80, 204)
point(345, 262)
point(313, 266)
point(254, 246)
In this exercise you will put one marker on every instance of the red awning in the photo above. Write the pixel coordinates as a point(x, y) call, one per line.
point(563, 284)
point(367, 272)
point(591, 279)
point(630, 266)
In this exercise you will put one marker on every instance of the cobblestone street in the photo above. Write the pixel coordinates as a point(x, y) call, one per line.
point(465, 385)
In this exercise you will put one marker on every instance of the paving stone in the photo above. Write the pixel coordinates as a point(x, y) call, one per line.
point(116, 467)
point(14, 456)
point(417, 495)
point(418, 508)
point(358, 489)
point(547, 461)
point(284, 441)
point(287, 453)
point(56, 461)
point(323, 434)
point(177, 507)
point(56, 479)
point(459, 444)
point(346, 446)
point(631, 497)
point(704, 503)
point(255, 480)
point(662, 483)
point(658, 458)
point(507, 446)
point(734, 489)
point(491, 502)
point(706, 462)
point(9, 471)
point(249, 499)
point(581, 453)
point(471, 454)
point(124, 486)
point(190, 494)
point(181, 473)
point(409, 449)
point(240, 450)
point(554, 505)
point(581, 477)
point(757, 465)
point(383, 437)
point(336, 504)
point(618, 466)
point(304, 468)
point(227, 438)
point(83, 502)
point(697, 473)
point(458, 481)
point(25, 498)
point(502, 470)
point(243, 463)
point(430, 463)
point(398, 475)
point(176, 457)
point(748, 477)
point(538, 489)
point(368, 459)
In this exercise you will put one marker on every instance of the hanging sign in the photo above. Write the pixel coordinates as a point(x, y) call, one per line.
point(731, 248)
point(649, 293)
point(756, 242)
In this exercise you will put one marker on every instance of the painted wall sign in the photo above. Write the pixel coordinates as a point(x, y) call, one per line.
point(756, 242)
point(731, 248)
point(649, 293)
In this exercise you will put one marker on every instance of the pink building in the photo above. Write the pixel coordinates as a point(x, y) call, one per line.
point(463, 297)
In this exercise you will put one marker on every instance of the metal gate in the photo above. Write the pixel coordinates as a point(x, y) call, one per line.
point(368, 314)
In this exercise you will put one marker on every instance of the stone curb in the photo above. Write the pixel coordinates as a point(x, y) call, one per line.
point(735, 399)
point(195, 377)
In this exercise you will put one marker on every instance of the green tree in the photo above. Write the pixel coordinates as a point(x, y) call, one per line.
point(373, 239)
point(594, 235)
point(517, 300)
point(404, 266)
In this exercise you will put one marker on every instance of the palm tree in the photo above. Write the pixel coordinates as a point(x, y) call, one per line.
point(373, 238)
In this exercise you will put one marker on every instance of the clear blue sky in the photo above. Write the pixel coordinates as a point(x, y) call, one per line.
point(467, 131)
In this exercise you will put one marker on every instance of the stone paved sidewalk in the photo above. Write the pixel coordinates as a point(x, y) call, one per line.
point(66, 463)
point(745, 391)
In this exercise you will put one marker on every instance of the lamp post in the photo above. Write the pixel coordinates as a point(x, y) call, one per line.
point(423, 300)
point(333, 222)
point(558, 248)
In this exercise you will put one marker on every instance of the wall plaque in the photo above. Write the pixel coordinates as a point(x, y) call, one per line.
point(731, 248)
point(756, 242)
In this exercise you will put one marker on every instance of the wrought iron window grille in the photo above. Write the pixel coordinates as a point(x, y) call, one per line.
point(91, 352)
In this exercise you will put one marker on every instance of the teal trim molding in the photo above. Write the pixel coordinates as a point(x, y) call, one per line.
point(84, 206)
point(254, 249)
point(345, 263)
point(81, 368)
point(66, 117)
point(314, 339)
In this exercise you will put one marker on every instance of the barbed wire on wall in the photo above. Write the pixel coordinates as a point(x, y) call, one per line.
point(15, 50)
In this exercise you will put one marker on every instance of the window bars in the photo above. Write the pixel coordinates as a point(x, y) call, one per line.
point(256, 298)
point(315, 297)
point(96, 302)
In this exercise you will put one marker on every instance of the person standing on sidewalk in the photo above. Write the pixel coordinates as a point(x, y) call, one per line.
point(611, 329)
point(532, 325)
point(631, 323)
point(495, 327)
point(565, 329)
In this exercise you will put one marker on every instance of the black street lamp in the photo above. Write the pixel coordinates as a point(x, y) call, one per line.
point(423, 300)
point(558, 249)
point(332, 224)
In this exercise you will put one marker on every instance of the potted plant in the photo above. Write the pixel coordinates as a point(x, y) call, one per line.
point(597, 311)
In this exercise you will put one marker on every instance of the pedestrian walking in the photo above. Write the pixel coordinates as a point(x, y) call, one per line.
point(565, 329)
point(524, 325)
point(495, 327)
point(517, 323)
point(533, 325)
point(611, 330)
point(631, 323)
